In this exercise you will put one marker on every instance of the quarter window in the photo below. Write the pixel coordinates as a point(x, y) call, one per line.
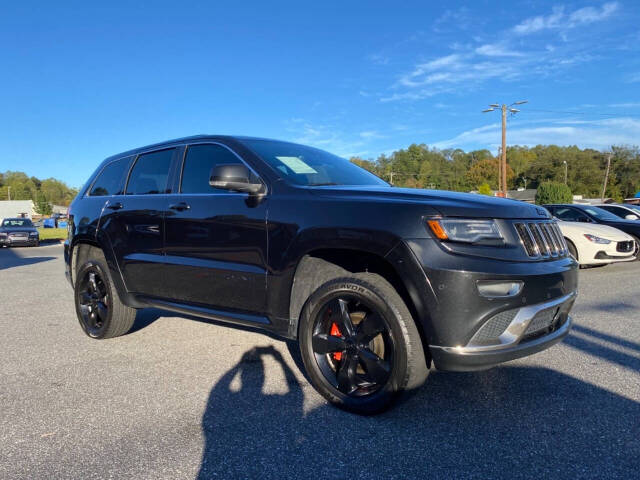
point(197, 167)
point(150, 173)
point(111, 179)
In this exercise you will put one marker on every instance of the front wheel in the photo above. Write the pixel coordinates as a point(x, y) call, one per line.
point(360, 345)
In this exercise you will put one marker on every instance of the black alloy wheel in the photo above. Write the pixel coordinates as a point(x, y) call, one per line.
point(353, 346)
point(93, 302)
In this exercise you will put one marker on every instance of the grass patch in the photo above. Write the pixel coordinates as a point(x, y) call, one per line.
point(52, 233)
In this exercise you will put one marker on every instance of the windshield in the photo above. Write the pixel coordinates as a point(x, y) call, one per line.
point(17, 222)
point(309, 166)
point(601, 214)
point(633, 207)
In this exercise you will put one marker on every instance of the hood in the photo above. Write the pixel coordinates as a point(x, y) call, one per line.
point(448, 204)
point(18, 229)
point(604, 231)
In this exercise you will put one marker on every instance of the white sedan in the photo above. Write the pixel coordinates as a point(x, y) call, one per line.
point(593, 244)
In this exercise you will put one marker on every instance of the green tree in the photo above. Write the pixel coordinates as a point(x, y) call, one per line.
point(42, 206)
point(553, 192)
point(485, 189)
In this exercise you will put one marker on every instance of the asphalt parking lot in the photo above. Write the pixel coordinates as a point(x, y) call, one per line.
point(182, 398)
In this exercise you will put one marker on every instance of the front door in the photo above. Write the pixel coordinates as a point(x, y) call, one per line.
point(216, 240)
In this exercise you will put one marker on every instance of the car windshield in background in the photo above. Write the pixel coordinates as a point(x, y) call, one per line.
point(17, 222)
point(309, 166)
point(601, 214)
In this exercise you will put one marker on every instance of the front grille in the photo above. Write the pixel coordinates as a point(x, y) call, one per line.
point(18, 235)
point(494, 327)
point(625, 246)
point(543, 320)
point(541, 239)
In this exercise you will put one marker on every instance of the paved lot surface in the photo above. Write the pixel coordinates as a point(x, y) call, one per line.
point(178, 398)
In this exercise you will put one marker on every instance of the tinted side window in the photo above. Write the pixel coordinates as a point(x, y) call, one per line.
point(620, 212)
point(150, 173)
point(568, 214)
point(111, 179)
point(198, 163)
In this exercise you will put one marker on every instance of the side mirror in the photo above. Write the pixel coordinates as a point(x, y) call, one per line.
point(631, 216)
point(236, 177)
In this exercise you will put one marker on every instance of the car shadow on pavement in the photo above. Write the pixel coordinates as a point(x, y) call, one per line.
point(9, 259)
point(623, 342)
point(508, 422)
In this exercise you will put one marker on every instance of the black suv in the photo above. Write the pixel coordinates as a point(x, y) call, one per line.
point(376, 283)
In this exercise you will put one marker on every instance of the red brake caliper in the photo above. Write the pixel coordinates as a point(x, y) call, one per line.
point(335, 331)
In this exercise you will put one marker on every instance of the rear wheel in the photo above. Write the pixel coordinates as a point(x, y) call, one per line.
point(359, 344)
point(100, 312)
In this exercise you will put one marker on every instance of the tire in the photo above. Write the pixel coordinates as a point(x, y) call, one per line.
point(357, 381)
point(100, 312)
point(573, 251)
point(637, 250)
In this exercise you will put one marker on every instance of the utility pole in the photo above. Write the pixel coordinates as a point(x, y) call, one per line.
point(503, 162)
point(502, 169)
point(9, 191)
point(565, 171)
point(606, 176)
point(391, 178)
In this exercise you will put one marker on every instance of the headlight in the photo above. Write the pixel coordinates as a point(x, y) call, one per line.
point(3, 235)
point(594, 239)
point(33, 234)
point(484, 232)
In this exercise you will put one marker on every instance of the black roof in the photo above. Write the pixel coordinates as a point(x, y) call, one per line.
point(191, 138)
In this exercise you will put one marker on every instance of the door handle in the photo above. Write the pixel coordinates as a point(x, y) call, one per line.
point(115, 206)
point(179, 206)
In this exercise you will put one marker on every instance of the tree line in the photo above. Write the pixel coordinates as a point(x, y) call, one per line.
point(420, 166)
point(44, 193)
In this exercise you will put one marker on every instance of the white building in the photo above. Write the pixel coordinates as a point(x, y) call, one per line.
point(16, 208)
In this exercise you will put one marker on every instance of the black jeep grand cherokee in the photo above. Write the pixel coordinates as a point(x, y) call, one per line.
point(376, 283)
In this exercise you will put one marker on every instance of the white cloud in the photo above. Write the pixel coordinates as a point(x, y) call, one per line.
point(541, 22)
point(633, 78)
point(496, 50)
point(597, 134)
point(558, 19)
point(588, 15)
point(378, 59)
point(625, 105)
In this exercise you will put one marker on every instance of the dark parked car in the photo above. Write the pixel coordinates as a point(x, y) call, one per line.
point(627, 212)
point(376, 283)
point(592, 214)
point(18, 231)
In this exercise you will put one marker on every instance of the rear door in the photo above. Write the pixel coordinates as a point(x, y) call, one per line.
point(216, 240)
point(134, 222)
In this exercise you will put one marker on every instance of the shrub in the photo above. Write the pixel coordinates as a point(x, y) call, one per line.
point(485, 189)
point(553, 192)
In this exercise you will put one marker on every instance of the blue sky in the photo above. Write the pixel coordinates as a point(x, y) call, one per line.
point(81, 82)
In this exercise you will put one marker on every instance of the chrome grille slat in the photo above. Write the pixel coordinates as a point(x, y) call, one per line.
point(546, 230)
point(541, 239)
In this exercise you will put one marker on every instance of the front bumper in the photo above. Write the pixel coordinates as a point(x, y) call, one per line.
point(514, 342)
point(19, 241)
point(451, 311)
